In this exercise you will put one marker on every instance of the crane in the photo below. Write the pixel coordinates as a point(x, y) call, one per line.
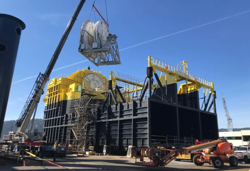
point(229, 119)
point(31, 104)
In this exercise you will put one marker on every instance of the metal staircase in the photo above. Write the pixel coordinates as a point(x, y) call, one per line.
point(83, 116)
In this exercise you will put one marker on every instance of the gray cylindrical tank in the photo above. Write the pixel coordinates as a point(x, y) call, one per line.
point(10, 32)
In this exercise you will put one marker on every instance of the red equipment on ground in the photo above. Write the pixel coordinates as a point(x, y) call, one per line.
point(217, 152)
point(33, 143)
point(222, 153)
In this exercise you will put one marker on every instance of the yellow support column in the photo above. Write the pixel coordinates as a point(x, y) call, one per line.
point(149, 61)
point(212, 89)
point(111, 77)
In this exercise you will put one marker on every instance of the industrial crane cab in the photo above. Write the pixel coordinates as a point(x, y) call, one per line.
point(222, 153)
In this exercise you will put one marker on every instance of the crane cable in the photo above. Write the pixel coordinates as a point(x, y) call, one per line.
point(91, 10)
point(93, 6)
point(106, 11)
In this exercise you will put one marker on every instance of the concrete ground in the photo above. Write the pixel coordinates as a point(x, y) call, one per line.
point(71, 163)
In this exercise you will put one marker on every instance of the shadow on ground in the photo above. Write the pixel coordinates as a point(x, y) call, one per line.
point(114, 163)
point(123, 163)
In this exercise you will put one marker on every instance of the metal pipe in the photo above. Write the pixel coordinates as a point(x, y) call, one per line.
point(10, 33)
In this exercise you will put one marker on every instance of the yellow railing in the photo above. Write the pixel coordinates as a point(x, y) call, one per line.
point(167, 68)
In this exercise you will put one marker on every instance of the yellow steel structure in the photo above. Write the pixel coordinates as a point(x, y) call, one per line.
point(114, 76)
point(179, 73)
point(131, 85)
point(70, 88)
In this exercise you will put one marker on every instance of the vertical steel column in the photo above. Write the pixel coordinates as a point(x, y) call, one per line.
point(118, 136)
point(200, 126)
point(177, 113)
point(149, 122)
point(132, 132)
point(215, 112)
point(178, 123)
point(110, 96)
point(107, 142)
point(149, 75)
point(10, 33)
point(214, 97)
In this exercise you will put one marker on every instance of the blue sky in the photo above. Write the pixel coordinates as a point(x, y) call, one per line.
point(218, 51)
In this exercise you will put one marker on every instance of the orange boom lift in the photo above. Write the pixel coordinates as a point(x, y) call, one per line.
point(216, 153)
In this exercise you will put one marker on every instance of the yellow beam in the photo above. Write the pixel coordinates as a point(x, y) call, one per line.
point(181, 77)
point(129, 82)
point(206, 92)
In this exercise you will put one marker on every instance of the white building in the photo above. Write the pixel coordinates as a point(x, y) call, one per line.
point(238, 138)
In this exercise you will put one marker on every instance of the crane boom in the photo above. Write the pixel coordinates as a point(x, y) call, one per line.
point(37, 90)
point(229, 119)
